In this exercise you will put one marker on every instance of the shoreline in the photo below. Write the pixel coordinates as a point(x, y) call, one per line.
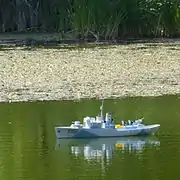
point(28, 38)
point(114, 71)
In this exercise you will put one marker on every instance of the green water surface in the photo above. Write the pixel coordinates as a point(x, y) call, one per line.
point(29, 149)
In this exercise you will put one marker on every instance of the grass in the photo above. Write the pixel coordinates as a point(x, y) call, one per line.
point(92, 19)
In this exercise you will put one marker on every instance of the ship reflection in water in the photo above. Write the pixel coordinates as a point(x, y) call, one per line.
point(102, 148)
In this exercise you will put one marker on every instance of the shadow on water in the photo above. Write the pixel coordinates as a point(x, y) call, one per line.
point(101, 150)
point(29, 149)
point(124, 143)
point(91, 148)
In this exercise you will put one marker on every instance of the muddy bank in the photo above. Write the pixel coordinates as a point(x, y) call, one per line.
point(46, 39)
point(29, 74)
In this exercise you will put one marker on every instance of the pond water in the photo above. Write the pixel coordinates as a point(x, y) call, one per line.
point(29, 149)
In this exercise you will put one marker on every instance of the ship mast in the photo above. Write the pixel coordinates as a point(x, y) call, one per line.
point(101, 108)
